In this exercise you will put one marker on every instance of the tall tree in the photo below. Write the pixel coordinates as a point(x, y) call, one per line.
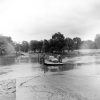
point(69, 44)
point(17, 47)
point(77, 42)
point(97, 41)
point(25, 46)
point(45, 46)
point(6, 46)
point(40, 46)
point(57, 42)
point(33, 45)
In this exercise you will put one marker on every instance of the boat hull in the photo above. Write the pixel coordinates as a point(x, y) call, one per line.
point(52, 63)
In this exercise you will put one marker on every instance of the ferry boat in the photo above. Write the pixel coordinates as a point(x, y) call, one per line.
point(52, 61)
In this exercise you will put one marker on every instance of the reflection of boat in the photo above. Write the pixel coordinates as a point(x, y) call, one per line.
point(50, 63)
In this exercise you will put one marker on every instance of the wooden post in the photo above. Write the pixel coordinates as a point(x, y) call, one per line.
point(38, 58)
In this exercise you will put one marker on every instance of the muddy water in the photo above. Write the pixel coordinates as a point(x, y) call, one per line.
point(22, 67)
point(78, 79)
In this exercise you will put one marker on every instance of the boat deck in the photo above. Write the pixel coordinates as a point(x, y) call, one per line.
point(52, 63)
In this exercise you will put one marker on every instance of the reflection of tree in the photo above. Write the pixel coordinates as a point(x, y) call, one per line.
point(65, 67)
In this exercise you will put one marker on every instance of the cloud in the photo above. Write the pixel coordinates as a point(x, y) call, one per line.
point(38, 19)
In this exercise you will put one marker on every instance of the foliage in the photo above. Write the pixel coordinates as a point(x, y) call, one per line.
point(77, 42)
point(36, 45)
point(97, 41)
point(57, 42)
point(17, 46)
point(69, 44)
point(25, 46)
point(45, 47)
point(6, 45)
point(88, 44)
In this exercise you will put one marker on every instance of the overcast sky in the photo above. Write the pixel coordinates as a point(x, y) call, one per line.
point(39, 19)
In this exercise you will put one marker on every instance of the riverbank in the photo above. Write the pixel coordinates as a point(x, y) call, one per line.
point(67, 54)
point(80, 52)
point(8, 89)
point(74, 53)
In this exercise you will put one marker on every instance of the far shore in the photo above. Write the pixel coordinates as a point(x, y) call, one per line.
point(74, 53)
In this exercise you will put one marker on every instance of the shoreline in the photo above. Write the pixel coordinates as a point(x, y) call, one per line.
point(80, 52)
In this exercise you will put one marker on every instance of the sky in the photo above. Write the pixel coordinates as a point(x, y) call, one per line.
point(39, 19)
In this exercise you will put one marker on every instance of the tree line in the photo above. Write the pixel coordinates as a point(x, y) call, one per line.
point(58, 43)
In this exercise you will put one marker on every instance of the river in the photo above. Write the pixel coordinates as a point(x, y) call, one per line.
point(78, 79)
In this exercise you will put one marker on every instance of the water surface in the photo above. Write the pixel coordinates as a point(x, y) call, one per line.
point(26, 66)
point(78, 79)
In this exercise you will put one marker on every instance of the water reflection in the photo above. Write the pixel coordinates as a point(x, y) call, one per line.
point(34, 60)
point(71, 64)
point(84, 64)
point(65, 67)
point(7, 61)
point(81, 63)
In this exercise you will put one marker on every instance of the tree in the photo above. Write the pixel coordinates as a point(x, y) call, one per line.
point(88, 44)
point(69, 44)
point(57, 42)
point(33, 45)
point(17, 47)
point(77, 42)
point(6, 45)
point(45, 46)
point(58, 36)
point(25, 46)
point(39, 46)
point(97, 41)
point(2, 48)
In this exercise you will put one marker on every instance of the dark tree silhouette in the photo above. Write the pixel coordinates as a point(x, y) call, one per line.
point(97, 41)
point(25, 46)
point(57, 42)
point(69, 44)
point(77, 42)
point(33, 45)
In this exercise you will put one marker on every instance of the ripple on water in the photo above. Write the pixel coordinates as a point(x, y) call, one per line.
point(44, 92)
